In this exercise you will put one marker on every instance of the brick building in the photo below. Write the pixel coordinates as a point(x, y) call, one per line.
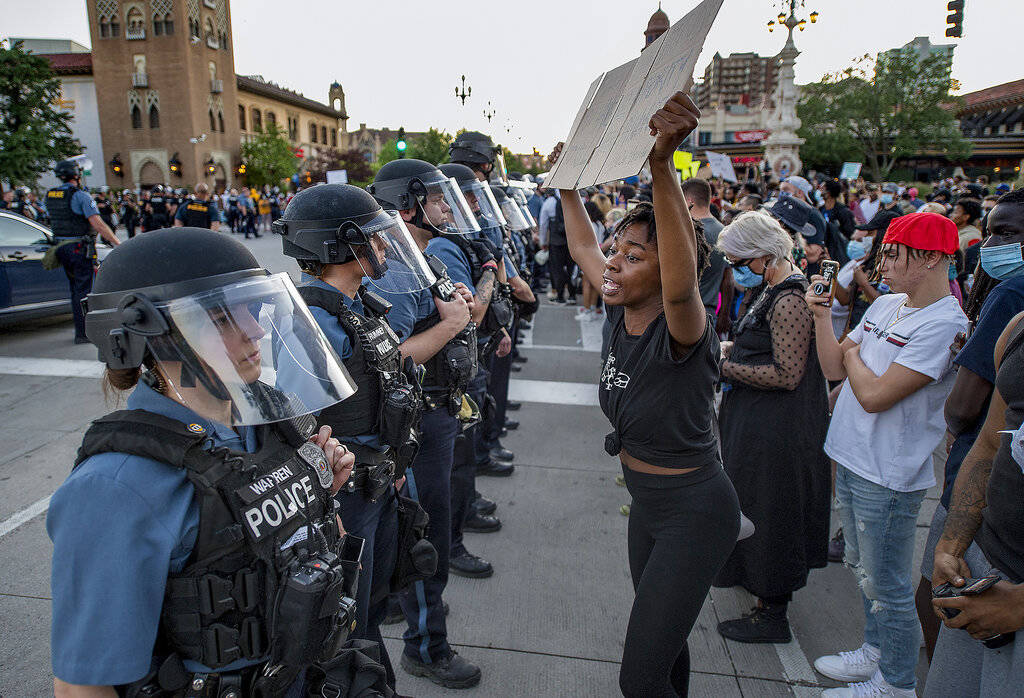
point(737, 79)
point(171, 108)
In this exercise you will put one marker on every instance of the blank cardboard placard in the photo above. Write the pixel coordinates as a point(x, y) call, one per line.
point(614, 143)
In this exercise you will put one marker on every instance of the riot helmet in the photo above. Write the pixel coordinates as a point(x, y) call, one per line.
point(477, 194)
point(157, 189)
point(437, 202)
point(474, 148)
point(66, 170)
point(510, 209)
point(221, 333)
point(339, 223)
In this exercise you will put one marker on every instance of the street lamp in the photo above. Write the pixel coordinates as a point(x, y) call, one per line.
point(489, 112)
point(211, 166)
point(175, 165)
point(791, 22)
point(466, 91)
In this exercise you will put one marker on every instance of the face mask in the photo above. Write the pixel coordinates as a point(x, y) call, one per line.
point(855, 249)
point(818, 197)
point(1003, 261)
point(952, 272)
point(886, 199)
point(746, 278)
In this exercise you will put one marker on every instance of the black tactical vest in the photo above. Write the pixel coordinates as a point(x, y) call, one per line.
point(63, 221)
point(197, 213)
point(266, 523)
point(159, 205)
point(375, 354)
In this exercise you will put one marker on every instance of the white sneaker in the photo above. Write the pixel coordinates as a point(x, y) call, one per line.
point(858, 665)
point(875, 687)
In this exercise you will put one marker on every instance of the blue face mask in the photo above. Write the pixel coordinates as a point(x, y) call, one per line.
point(1003, 261)
point(855, 249)
point(952, 272)
point(886, 199)
point(746, 278)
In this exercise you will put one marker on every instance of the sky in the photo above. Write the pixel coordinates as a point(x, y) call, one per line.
point(531, 61)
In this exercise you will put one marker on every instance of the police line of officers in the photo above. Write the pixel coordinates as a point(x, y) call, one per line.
point(197, 548)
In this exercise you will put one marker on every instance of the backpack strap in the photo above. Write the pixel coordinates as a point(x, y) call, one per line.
point(141, 433)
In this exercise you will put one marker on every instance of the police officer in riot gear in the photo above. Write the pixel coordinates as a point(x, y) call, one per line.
point(158, 207)
point(196, 546)
point(75, 220)
point(436, 330)
point(340, 235)
point(198, 211)
point(476, 150)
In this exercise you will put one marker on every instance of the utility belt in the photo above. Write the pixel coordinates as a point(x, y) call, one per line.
point(442, 399)
point(172, 680)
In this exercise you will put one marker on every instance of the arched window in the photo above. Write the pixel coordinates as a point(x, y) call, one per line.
point(158, 25)
point(213, 122)
point(136, 117)
point(220, 121)
point(104, 28)
point(193, 27)
point(271, 119)
point(241, 117)
point(257, 120)
point(115, 28)
point(211, 38)
point(168, 24)
point(312, 133)
point(323, 135)
point(154, 117)
point(136, 24)
point(334, 138)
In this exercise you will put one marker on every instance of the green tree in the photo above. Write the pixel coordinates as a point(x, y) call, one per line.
point(33, 132)
point(388, 153)
point(901, 108)
point(268, 158)
point(431, 147)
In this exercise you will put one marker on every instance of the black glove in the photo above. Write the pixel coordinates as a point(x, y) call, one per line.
point(485, 250)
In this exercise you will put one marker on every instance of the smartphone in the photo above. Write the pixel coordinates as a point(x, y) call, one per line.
point(827, 285)
point(631, 204)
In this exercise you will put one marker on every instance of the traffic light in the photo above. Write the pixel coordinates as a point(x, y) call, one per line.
point(955, 18)
point(400, 145)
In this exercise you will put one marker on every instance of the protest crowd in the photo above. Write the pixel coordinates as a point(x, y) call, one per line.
point(789, 364)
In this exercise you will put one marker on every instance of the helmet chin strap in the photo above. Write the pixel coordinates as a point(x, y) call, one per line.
point(420, 220)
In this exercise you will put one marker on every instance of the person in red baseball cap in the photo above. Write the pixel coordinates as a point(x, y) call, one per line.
point(896, 365)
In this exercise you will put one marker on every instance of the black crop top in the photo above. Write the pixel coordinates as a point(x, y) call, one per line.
point(660, 407)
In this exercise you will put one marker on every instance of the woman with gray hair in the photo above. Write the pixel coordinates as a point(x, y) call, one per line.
point(774, 420)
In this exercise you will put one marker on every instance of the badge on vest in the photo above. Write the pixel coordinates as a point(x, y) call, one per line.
point(314, 456)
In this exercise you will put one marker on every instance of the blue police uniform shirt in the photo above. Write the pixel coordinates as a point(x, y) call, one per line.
point(407, 308)
point(81, 202)
point(453, 258)
point(1002, 304)
point(119, 525)
point(338, 339)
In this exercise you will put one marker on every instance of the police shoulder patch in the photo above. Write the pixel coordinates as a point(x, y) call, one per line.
point(196, 428)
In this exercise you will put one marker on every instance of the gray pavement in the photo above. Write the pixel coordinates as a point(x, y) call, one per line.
point(551, 620)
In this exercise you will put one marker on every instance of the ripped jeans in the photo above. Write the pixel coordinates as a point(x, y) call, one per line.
point(878, 524)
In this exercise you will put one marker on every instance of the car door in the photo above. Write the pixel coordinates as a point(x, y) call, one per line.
point(22, 246)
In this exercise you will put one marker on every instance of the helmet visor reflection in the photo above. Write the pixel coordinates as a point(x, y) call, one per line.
point(392, 260)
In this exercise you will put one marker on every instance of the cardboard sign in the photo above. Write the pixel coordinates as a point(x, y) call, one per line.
point(721, 166)
point(611, 139)
point(337, 176)
point(851, 170)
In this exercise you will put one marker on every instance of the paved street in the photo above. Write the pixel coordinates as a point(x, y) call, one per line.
point(551, 620)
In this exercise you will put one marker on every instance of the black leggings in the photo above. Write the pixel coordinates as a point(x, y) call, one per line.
point(682, 529)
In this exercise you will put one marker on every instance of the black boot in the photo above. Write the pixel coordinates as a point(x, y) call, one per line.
point(761, 625)
point(451, 672)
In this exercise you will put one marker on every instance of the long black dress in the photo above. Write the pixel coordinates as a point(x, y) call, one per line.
point(773, 425)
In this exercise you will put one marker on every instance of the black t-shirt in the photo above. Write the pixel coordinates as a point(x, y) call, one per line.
point(1001, 536)
point(661, 407)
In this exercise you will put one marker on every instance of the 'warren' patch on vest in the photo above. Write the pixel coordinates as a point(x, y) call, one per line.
point(275, 499)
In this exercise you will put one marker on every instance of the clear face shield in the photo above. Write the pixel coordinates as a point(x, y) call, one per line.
point(446, 208)
point(251, 350)
point(519, 193)
point(483, 204)
point(512, 213)
point(393, 251)
point(499, 173)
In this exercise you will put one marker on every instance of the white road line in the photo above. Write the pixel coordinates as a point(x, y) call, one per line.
point(553, 392)
point(590, 331)
point(67, 368)
point(24, 516)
